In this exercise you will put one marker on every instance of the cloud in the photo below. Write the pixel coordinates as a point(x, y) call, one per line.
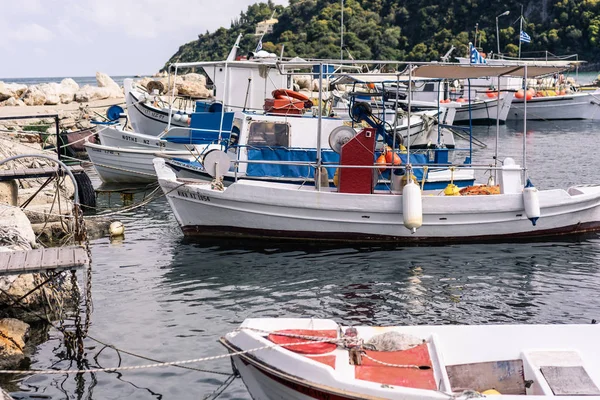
point(115, 36)
point(31, 32)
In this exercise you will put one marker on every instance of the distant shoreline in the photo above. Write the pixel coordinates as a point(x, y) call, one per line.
point(81, 80)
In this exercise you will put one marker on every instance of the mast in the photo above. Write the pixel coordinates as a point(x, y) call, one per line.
point(520, 29)
point(342, 33)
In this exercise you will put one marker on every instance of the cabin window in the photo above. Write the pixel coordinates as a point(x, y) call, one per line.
point(269, 134)
point(429, 87)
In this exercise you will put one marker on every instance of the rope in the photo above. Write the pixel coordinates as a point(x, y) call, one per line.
point(147, 366)
point(393, 365)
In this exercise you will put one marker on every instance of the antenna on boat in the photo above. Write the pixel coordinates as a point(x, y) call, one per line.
point(342, 32)
point(234, 49)
point(446, 57)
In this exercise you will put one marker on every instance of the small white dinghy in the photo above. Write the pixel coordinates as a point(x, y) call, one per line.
point(292, 358)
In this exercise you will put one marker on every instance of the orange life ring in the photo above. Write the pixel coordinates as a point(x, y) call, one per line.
point(311, 348)
point(281, 93)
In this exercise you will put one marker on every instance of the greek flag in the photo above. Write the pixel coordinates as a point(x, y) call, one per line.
point(258, 46)
point(525, 37)
point(476, 58)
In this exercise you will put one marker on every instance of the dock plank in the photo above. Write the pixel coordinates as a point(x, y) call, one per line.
point(34, 258)
point(39, 260)
point(50, 257)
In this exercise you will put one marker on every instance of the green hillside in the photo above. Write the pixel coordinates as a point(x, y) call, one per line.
point(419, 30)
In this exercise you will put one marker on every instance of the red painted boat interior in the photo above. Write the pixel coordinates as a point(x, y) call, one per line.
point(327, 360)
point(311, 348)
point(406, 377)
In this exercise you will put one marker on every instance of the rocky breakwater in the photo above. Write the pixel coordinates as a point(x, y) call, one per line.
point(65, 92)
point(26, 301)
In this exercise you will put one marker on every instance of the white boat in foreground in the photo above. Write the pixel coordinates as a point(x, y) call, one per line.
point(295, 211)
point(356, 210)
point(301, 359)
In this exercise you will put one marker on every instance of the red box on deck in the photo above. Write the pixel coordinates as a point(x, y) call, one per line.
point(360, 150)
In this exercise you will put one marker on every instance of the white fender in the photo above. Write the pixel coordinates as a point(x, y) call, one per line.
point(531, 201)
point(412, 206)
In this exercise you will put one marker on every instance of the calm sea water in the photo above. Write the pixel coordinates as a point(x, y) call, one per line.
point(81, 80)
point(162, 296)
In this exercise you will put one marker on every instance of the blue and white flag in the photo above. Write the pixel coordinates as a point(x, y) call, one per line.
point(476, 58)
point(259, 46)
point(525, 37)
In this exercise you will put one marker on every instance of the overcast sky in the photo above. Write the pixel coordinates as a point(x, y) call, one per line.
point(48, 38)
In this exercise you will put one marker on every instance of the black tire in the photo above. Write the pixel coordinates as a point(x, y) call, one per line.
point(85, 190)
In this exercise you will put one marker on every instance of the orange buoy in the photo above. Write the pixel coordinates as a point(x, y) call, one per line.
point(461, 100)
point(310, 348)
point(491, 94)
point(381, 161)
point(391, 157)
point(519, 94)
point(562, 92)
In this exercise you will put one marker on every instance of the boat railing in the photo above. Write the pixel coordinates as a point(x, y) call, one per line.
point(413, 166)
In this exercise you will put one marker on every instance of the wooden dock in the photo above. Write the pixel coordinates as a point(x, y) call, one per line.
point(40, 260)
point(25, 173)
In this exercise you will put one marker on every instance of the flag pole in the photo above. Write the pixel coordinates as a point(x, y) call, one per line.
point(520, 30)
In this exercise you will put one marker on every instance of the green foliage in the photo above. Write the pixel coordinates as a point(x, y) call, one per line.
point(419, 30)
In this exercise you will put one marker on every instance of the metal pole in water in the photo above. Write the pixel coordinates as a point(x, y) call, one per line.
point(470, 123)
point(318, 170)
point(497, 131)
point(525, 128)
point(342, 33)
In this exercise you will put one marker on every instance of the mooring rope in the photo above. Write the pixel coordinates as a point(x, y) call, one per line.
point(155, 365)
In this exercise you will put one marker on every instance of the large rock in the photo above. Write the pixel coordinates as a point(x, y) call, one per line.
point(12, 102)
point(105, 81)
point(68, 89)
point(195, 78)
point(90, 93)
point(5, 93)
point(193, 89)
point(15, 228)
point(9, 192)
point(34, 97)
point(51, 92)
point(13, 335)
point(8, 90)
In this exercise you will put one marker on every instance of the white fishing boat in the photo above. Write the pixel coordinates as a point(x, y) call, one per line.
point(239, 85)
point(355, 211)
point(482, 110)
point(554, 97)
point(260, 141)
point(121, 157)
point(578, 105)
point(301, 359)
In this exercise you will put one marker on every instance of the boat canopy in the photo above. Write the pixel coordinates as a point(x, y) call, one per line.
point(455, 71)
